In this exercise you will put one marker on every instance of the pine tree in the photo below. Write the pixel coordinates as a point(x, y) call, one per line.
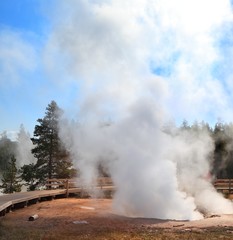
point(30, 176)
point(7, 149)
point(53, 160)
point(10, 180)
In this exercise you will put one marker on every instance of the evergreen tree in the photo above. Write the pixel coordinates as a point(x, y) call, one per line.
point(30, 176)
point(206, 127)
point(195, 127)
point(7, 149)
point(53, 161)
point(223, 134)
point(221, 141)
point(10, 180)
point(185, 125)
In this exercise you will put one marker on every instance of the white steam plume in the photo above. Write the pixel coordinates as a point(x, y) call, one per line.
point(141, 63)
point(24, 147)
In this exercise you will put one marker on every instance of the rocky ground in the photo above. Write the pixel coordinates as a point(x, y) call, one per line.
point(75, 218)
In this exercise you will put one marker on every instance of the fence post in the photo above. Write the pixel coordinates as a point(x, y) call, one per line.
point(67, 187)
point(229, 186)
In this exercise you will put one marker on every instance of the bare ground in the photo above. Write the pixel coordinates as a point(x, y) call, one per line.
point(75, 218)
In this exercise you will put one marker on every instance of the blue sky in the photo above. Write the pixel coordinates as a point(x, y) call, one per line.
point(84, 54)
point(25, 15)
point(25, 93)
point(17, 102)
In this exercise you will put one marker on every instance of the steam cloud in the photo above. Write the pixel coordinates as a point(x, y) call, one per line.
point(24, 146)
point(140, 64)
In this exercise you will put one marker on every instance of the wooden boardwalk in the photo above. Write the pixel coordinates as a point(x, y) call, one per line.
point(22, 199)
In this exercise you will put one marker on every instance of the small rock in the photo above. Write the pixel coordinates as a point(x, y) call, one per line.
point(80, 222)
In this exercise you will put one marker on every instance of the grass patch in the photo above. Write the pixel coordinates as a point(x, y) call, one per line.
point(7, 231)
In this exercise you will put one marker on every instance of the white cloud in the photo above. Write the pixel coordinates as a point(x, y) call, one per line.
point(17, 56)
point(110, 47)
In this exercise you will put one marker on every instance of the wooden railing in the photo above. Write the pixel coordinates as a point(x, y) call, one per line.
point(104, 181)
point(67, 184)
point(224, 185)
point(55, 183)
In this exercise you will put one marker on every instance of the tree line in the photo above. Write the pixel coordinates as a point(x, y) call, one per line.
point(53, 160)
point(222, 156)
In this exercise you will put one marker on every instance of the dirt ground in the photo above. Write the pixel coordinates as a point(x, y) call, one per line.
point(75, 218)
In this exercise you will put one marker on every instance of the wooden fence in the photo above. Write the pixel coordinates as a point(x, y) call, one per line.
point(67, 184)
point(224, 186)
